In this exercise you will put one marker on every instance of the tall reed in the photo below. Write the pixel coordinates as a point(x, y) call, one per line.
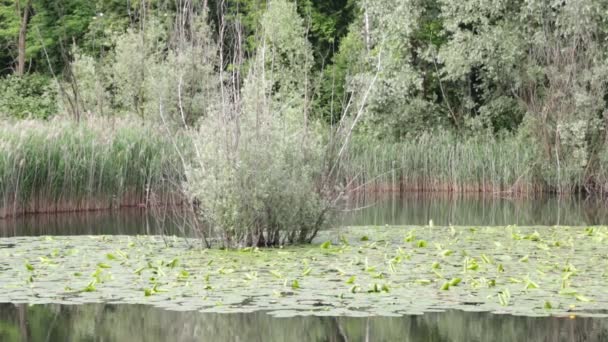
point(442, 162)
point(97, 164)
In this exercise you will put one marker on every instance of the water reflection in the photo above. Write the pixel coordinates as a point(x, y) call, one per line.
point(475, 210)
point(100, 322)
point(118, 222)
point(404, 209)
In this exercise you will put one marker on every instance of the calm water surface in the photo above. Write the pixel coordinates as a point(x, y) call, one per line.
point(100, 322)
point(371, 210)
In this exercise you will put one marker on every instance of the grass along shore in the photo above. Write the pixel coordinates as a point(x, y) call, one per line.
point(98, 164)
point(59, 165)
point(446, 163)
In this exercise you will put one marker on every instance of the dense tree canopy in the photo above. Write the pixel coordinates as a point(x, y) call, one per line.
point(466, 66)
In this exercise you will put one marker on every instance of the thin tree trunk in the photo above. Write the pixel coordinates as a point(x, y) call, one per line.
point(24, 14)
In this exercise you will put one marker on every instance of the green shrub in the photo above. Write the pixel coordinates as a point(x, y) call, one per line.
point(257, 175)
point(29, 96)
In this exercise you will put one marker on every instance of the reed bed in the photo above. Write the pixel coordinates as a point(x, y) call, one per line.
point(444, 163)
point(98, 164)
point(58, 166)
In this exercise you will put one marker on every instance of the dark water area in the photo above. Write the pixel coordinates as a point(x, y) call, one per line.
point(475, 210)
point(103, 322)
point(117, 222)
point(409, 209)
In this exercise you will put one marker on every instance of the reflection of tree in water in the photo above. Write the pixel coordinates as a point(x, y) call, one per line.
point(473, 210)
point(145, 323)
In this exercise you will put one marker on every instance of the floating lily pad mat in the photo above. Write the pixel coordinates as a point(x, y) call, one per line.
point(387, 271)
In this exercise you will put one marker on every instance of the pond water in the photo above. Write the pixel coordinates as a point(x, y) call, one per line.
point(127, 322)
point(409, 209)
point(101, 322)
point(475, 210)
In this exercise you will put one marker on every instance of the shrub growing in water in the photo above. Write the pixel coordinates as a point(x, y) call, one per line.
point(260, 186)
point(258, 176)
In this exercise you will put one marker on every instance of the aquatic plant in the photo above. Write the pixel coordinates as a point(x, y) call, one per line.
point(67, 166)
point(444, 162)
point(385, 276)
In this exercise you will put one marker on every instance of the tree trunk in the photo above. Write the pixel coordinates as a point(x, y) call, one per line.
point(24, 14)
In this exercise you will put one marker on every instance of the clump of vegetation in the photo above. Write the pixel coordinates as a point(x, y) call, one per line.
point(444, 162)
point(554, 271)
point(66, 166)
point(257, 176)
point(27, 97)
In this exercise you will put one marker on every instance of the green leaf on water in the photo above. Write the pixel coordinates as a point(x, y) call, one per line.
point(344, 240)
point(473, 266)
point(307, 271)
point(29, 267)
point(455, 281)
point(225, 271)
point(111, 256)
point(103, 265)
point(364, 238)
point(378, 275)
point(582, 298)
point(173, 263)
point(504, 297)
point(295, 284)
point(251, 276)
point(421, 244)
point(500, 268)
point(276, 274)
point(370, 269)
point(533, 237)
point(548, 305)
point(91, 286)
point(351, 280)
point(326, 245)
point(445, 286)
point(411, 236)
point(531, 285)
point(423, 281)
point(375, 289)
point(526, 258)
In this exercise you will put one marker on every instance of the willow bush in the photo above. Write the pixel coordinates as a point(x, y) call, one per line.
point(257, 177)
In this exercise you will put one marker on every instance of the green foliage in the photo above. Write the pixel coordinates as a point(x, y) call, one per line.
point(58, 165)
point(31, 96)
point(150, 75)
point(441, 161)
point(328, 22)
point(257, 173)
